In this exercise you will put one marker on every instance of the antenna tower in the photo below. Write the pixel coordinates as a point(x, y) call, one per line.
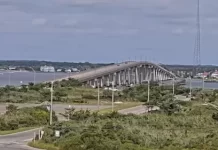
point(197, 50)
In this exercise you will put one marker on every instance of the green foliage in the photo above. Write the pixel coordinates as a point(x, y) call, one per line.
point(113, 131)
point(70, 92)
point(16, 118)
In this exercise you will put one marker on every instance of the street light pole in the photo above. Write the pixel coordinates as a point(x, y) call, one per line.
point(51, 103)
point(148, 91)
point(173, 87)
point(190, 87)
point(112, 96)
point(98, 97)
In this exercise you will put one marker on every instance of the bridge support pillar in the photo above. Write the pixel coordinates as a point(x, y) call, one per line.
point(108, 80)
point(119, 78)
point(153, 74)
point(136, 75)
point(95, 84)
point(129, 76)
point(146, 73)
point(114, 79)
point(102, 82)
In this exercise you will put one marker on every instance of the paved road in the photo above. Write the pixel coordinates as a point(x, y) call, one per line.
point(17, 141)
point(58, 108)
point(137, 110)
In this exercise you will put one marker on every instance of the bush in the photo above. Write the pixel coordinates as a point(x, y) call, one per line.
point(88, 96)
point(24, 117)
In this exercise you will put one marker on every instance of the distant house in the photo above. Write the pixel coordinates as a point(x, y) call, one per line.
point(12, 68)
point(214, 74)
point(203, 75)
point(59, 70)
point(75, 70)
point(47, 69)
point(68, 70)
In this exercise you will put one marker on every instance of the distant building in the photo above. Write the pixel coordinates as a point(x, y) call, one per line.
point(67, 70)
point(12, 68)
point(214, 74)
point(203, 75)
point(47, 69)
point(59, 70)
point(75, 70)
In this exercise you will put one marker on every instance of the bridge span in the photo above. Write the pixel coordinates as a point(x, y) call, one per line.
point(125, 73)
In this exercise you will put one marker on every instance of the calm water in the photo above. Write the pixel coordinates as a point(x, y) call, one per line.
point(196, 83)
point(18, 78)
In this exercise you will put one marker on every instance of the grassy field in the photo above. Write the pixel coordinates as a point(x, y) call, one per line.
point(121, 106)
point(41, 145)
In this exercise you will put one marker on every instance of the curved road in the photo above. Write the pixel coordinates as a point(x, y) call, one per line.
point(17, 141)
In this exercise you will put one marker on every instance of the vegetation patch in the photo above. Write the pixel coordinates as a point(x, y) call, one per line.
point(17, 119)
point(190, 128)
point(41, 145)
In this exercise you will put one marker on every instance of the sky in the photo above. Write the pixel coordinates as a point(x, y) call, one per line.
point(103, 31)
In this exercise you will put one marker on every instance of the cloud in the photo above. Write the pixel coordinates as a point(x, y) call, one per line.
point(39, 21)
point(106, 15)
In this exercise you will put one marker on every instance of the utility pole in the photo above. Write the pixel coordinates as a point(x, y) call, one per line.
point(98, 97)
point(112, 96)
point(51, 103)
point(190, 87)
point(148, 91)
point(173, 86)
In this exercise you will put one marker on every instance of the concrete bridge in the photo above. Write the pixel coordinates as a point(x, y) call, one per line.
point(126, 73)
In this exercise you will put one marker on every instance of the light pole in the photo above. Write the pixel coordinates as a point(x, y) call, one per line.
point(98, 97)
point(149, 86)
point(173, 86)
point(148, 91)
point(112, 96)
point(112, 99)
point(203, 83)
point(51, 103)
point(190, 86)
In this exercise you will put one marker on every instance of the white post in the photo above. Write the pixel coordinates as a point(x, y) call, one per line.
point(51, 104)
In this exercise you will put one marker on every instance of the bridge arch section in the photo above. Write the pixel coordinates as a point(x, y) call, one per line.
point(124, 74)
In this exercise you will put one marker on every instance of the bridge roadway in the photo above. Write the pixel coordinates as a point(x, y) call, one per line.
point(102, 71)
